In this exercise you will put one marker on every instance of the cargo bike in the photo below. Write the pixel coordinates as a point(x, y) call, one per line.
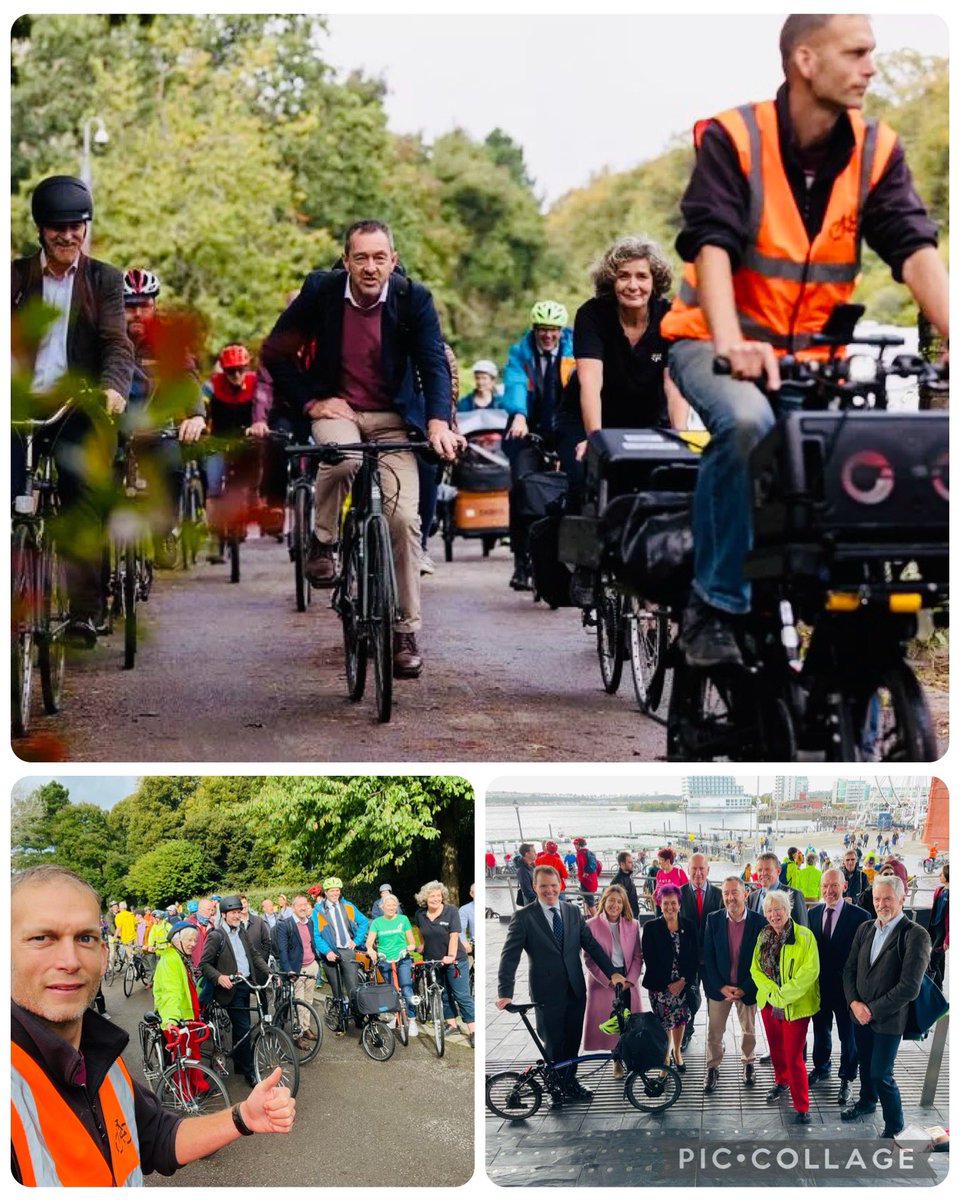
point(473, 498)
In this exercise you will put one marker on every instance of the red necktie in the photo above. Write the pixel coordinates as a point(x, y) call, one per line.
point(699, 903)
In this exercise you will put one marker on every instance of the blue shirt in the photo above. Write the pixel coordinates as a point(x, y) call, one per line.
point(239, 953)
point(882, 936)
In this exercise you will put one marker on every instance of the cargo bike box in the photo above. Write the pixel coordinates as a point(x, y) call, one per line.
point(373, 999)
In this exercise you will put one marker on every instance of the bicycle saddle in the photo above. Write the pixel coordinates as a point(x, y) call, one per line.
point(151, 1018)
point(519, 1008)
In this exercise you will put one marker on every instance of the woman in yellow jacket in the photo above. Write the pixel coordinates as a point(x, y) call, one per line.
point(786, 970)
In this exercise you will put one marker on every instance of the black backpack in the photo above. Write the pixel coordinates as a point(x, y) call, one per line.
point(643, 1043)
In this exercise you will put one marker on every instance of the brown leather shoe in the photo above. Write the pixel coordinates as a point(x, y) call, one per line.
point(749, 1074)
point(713, 1078)
point(321, 565)
point(407, 663)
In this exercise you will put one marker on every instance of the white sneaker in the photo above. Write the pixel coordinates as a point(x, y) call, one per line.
point(414, 1031)
point(427, 565)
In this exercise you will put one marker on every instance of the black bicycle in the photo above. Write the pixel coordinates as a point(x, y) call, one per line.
point(300, 493)
point(39, 606)
point(340, 1012)
point(135, 970)
point(192, 529)
point(365, 593)
point(296, 1018)
point(270, 1045)
point(429, 992)
point(851, 506)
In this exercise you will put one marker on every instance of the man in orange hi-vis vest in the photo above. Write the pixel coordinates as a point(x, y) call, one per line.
point(77, 1117)
point(781, 196)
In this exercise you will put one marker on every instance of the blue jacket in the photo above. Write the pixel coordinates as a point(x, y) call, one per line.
point(716, 955)
point(315, 319)
point(520, 383)
point(354, 919)
point(466, 404)
point(289, 945)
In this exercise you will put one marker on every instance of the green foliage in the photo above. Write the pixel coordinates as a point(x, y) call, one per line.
point(172, 870)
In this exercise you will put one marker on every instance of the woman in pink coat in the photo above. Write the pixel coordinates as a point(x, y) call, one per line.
point(619, 934)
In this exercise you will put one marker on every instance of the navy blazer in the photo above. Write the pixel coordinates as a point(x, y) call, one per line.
point(712, 902)
point(656, 946)
point(550, 974)
point(315, 319)
point(716, 955)
point(835, 950)
point(289, 945)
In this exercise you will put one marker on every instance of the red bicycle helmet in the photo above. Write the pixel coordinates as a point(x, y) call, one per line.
point(550, 847)
point(233, 356)
point(139, 284)
point(580, 841)
point(314, 890)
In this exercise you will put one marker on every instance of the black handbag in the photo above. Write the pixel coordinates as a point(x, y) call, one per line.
point(925, 1011)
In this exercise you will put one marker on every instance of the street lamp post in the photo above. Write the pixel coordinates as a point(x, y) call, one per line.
point(100, 138)
point(516, 809)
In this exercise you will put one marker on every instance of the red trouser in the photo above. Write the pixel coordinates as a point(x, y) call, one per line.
point(786, 1040)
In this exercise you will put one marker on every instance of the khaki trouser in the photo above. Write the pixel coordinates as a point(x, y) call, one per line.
point(401, 499)
point(303, 988)
point(719, 1012)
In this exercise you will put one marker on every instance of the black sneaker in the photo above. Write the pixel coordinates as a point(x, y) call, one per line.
point(706, 636)
point(81, 633)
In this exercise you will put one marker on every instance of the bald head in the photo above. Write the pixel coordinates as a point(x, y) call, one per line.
point(833, 883)
point(698, 868)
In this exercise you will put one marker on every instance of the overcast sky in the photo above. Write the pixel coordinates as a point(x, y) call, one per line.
point(104, 790)
point(579, 93)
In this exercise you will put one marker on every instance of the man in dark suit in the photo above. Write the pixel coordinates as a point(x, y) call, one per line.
point(856, 881)
point(730, 936)
point(553, 934)
point(526, 857)
point(768, 876)
point(698, 899)
point(87, 340)
point(834, 923)
point(376, 371)
point(624, 877)
point(882, 975)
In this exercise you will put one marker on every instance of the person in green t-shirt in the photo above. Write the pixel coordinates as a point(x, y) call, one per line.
point(392, 936)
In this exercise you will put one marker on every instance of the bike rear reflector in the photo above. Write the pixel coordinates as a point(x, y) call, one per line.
point(940, 475)
point(867, 477)
point(905, 602)
point(842, 602)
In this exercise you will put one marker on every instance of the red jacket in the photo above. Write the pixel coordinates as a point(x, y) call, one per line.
point(553, 860)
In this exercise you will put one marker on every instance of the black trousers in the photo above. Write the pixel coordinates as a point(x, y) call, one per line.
point(238, 1011)
point(342, 975)
point(524, 459)
point(560, 1026)
point(832, 1005)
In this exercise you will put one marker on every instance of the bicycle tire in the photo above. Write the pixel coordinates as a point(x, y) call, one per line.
point(177, 1090)
point(131, 594)
point(297, 1018)
point(151, 1051)
point(513, 1095)
point(648, 637)
point(349, 604)
point(273, 1048)
point(403, 1025)
point(700, 721)
point(233, 551)
point(378, 1041)
point(129, 979)
point(54, 614)
point(22, 624)
point(300, 535)
point(382, 604)
point(609, 636)
point(653, 1090)
point(889, 720)
point(331, 1014)
point(193, 528)
point(438, 1021)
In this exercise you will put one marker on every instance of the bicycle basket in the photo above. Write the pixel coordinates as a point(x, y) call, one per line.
point(370, 999)
point(643, 1043)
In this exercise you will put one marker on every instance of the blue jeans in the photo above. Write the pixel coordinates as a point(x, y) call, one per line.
point(405, 979)
point(737, 415)
point(457, 990)
point(878, 1053)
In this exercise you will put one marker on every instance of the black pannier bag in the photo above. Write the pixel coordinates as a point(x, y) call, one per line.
point(643, 1043)
point(551, 577)
point(648, 542)
point(487, 472)
point(370, 999)
point(538, 494)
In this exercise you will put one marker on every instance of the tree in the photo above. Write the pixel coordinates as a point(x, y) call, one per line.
point(84, 842)
point(174, 869)
point(151, 813)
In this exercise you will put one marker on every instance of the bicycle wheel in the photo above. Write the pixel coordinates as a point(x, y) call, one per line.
point(380, 613)
point(22, 623)
point(233, 550)
point(378, 1041)
point(889, 720)
point(153, 1060)
point(350, 609)
point(647, 643)
point(300, 537)
point(438, 1022)
point(302, 1025)
point(129, 979)
point(110, 972)
point(54, 613)
point(273, 1048)
point(331, 1013)
point(192, 1090)
point(513, 1096)
point(609, 636)
point(403, 1025)
point(701, 720)
point(131, 594)
point(653, 1090)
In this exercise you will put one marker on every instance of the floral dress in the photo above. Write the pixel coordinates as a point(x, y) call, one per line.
point(672, 1010)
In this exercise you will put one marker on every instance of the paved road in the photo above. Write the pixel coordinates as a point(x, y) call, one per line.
point(354, 1117)
point(233, 673)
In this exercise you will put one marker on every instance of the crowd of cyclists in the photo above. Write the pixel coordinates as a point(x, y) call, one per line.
point(217, 948)
point(358, 353)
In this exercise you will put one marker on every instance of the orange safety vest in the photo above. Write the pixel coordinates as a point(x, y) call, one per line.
point(52, 1146)
point(786, 285)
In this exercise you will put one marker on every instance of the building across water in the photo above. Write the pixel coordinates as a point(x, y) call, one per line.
point(715, 793)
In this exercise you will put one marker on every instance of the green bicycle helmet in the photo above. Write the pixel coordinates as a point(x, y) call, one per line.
point(548, 312)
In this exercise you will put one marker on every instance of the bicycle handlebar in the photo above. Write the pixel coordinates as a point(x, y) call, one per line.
point(334, 451)
point(33, 424)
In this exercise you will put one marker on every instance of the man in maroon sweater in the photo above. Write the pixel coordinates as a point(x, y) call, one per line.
point(370, 351)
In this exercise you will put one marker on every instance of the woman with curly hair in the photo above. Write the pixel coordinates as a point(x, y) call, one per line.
point(438, 923)
point(667, 873)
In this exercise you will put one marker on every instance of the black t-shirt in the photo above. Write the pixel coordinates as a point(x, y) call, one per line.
point(436, 934)
point(632, 395)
